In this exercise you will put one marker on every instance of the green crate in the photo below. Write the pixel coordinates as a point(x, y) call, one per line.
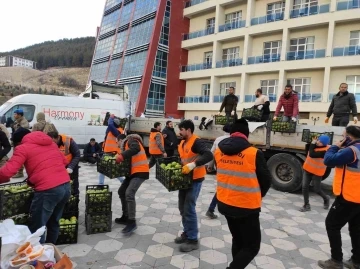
point(222, 120)
point(283, 127)
point(107, 166)
point(98, 198)
point(252, 114)
point(307, 136)
point(99, 222)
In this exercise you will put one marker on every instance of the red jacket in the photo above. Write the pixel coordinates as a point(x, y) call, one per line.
point(44, 163)
point(290, 105)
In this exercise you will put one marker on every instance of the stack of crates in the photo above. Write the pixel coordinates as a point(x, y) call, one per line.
point(98, 218)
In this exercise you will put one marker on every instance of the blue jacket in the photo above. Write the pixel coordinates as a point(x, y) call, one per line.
point(339, 157)
point(111, 128)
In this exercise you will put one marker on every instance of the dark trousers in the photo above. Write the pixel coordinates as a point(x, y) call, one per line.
point(342, 212)
point(46, 210)
point(307, 177)
point(74, 176)
point(127, 193)
point(213, 203)
point(170, 152)
point(340, 120)
point(265, 117)
point(246, 239)
point(91, 160)
point(228, 115)
point(153, 159)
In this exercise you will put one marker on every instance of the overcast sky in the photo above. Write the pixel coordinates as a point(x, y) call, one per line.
point(27, 22)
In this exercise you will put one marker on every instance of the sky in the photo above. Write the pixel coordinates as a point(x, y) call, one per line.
point(28, 22)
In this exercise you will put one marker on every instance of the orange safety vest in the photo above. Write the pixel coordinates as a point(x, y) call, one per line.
point(139, 162)
point(315, 166)
point(110, 145)
point(153, 146)
point(347, 179)
point(65, 148)
point(187, 156)
point(237, 183)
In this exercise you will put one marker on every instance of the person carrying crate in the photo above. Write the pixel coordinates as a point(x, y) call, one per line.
point(314, 170)
point(156, 144)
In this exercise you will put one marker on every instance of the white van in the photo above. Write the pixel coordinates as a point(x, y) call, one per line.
point(80, 118)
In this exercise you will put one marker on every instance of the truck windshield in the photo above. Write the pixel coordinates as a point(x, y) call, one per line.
point(3, 107)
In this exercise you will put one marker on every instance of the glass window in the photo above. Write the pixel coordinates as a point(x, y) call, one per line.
point(145, 7)
point(134, 89)
point(134, 64)
point(140, 34)
point(298, 4)
point(302, 44)
point(269, 87)
point(103, 47)
point(120, 42)
point(276, 7)
point(114, 69)
point(156, 97)
point(111, 3)
point(29, 111)
point(231, 53)
point(165, 30)
point(160, 66)
point(210, 23)
point(126, 13)
point(300, 85)
point(273, 47)
point(224, 87)
point(205, 89)
point(208, 57)
point(353, 84)
point(98, 71)
point(355, 38)
point(233, 17)
point(109, 22)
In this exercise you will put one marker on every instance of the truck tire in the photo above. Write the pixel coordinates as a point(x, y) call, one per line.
point(286, 171)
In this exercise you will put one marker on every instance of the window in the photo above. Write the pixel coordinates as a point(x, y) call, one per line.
point(354, 84)
point(231, 53)
point(355, 38)
point(302, 44)
point(276, 7)
point(300, 85)
point(156, 97)
point(208, 57)
point(233, 17)
point(29, 111)
point(269, 87)
point(205, 89)
point(160, 66)
point(210, 23)
point(273, 47)
point(140, 34)
point(224, 87)
point(298, 4)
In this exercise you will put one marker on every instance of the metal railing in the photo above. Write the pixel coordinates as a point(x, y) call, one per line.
point(266, 58)
point(345, 5)
point(231, 26)
point(308, 11)
point(194, 99)
point(205, 32)
point(193, 3)
point(229, 63)
point(346, 51)
point(251, 98)
point(302, 55)
point(220, 98)
point(268, 18)
point(196, 67)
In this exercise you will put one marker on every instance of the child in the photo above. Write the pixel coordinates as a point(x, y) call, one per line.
point(314, 170)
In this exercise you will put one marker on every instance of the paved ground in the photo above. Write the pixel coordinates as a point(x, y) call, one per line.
point(290, 239)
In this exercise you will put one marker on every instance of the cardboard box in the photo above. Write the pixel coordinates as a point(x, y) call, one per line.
point(62, 260)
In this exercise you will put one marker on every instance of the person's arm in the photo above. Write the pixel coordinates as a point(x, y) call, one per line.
point(87, 151)
point(75, 152)
point(331, 108)
point(112, 128)
point(134, 148)
point(13, 165)
point(97, 148)
point(278, 107)
point(167, 139)
point(223, 104)
point(235, 104)
point(262, 173)
point(205, 154)
point(296, 106)
point(159, 142)
point(316, 154)
point(336, 157)
point(5, 144)
point(353, 105)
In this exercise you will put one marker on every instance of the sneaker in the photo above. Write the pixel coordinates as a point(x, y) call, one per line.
point(189, 245)
point(351, 264)
point(305, 208)
point(211, 215)
point(327, 202)
point(129, 228)
point(330, 264)
point(18, 175)
point(123, 220)
point(180, 239)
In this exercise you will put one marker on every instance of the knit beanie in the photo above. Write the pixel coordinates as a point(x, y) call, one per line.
point(40, 116)
point(324, 139)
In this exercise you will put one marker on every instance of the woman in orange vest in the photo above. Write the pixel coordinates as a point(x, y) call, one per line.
point(314, 170)
point(345, 156)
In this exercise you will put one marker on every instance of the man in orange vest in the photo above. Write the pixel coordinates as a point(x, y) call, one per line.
point(194, 154)
point(132, 148)
point(156, 144)
point(345, 156)
point(71, 152)
point(314, 170)
point(242, 180)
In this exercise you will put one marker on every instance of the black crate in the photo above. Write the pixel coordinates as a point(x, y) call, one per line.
point(307, 136)
point(222, 120)
point(68, 234)
point(278, 126)
point(69, 214)
point(15, 202)
point(99, 222)
point(73, 204)
point(111, 169)
point(98, 201)
point(123, 122)
point(251, 114)
point(172, 179)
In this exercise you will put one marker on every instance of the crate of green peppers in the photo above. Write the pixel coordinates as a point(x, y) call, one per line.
point(68, 232)
point(107, 166)
point(15, 199)
point(72, 205)
point(98, 198)
point(169, 173)
point(99, 222)
point(283, 127)
point(308, 136)
point(251, 114)
point(222, 120)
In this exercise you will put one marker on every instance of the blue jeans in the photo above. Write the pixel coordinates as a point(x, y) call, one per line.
point(187, 204)
point(46, 210)
point(102, 179)
point(213, 203)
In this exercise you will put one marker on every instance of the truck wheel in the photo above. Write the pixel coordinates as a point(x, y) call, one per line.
point(286, 171)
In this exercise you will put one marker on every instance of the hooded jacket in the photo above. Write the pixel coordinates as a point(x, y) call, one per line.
point(171, 140)
point(233, 145)
point(44, 163)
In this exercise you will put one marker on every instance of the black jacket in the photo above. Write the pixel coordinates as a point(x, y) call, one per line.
point(235, 145)
point(75, 152)
point(88, 152)
point(171, 140)
point(342, 105)
point(5, 146)
point(229, 103)
point(316, 154)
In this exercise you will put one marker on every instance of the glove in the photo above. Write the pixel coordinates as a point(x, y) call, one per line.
point(327, 120)
point(164, 154)
point(260, 107)
point(232, 113)
point(274, 118)
point(355, 120)
point(294, 119)
point(119, 158)
point(69, 170)
point(218, 113)
point(188, 168)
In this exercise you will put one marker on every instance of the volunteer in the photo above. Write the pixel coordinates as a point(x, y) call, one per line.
point(156, 144)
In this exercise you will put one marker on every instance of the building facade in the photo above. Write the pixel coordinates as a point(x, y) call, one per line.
point(16, 61)
point(312, 44)
point(139, 46)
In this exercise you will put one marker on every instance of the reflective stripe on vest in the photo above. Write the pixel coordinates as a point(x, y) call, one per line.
point(65, 148)
point(110, 144)
point(237, 183)
point(153, 146)
point(315, 166)
point(139, 162)
point(187, 156)
point(347, 179)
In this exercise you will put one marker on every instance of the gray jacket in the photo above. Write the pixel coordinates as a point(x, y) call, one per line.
point(342, 105)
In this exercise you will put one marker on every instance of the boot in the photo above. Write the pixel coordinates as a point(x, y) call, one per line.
point(305, 208)
point(351, 264)
point(211, 215)
point(130, 227)
point(189, 245)
point(123, 220)
point(330, 264)
point(180, 239)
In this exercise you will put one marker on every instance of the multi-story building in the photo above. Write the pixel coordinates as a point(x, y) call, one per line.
point(16, 61)
point(312, 44)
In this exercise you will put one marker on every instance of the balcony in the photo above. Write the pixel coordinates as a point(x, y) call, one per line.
point(310, 97)
point(345, 5)
point(251, 98)
point(220, 98)
point(194, 2)
point(268, 18)
point(346, 51)
point(231, 26)
point(357, 97)
point(267, 58)
point(309, 11)
point(196, 67)
point(208, 31)
point(194, 99)
point(303, 55)
point(229, 63)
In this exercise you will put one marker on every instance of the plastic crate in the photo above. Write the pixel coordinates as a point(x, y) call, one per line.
point(68, 234)
point(251, 114)
point(307, 136)
point(222, 120)
point(99, 222)
point(111, 169)
point(173, 179)
point(15, 203)
point(123, 122)
point(69, 214)
point(98, 201)
point(283, 127)
point(73, 204)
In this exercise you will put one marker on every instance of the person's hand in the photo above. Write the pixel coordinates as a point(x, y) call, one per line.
point(327, 120)
point(164, 135)
point(69, 170)
point(294, 119)
point(259, 107)
point(340, 143)
point(209, 169)
point(164, 155)
point(188, 168)
point(355, 120)
point(119, 158)
point(218, 113)
point(112, 116)
point(94, 155)
point(274, 118)
point(232, 113)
